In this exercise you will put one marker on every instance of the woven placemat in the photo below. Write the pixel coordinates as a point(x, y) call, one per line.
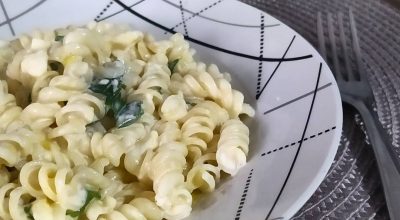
point(352, 188)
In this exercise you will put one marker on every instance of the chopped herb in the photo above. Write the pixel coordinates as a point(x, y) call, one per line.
point(107, 86)
point(124, 113)
point(117, 105)
point(59, 38)
point(172, 64)
point(113, 57)
point(28, 212)
point(72, 213)
point(190, 103)
point(91, 195)
point(56, 66)
point(129, 114)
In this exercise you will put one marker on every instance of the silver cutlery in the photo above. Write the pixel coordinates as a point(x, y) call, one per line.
point(356, 91)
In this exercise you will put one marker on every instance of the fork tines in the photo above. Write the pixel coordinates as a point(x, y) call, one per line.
point(334, 46)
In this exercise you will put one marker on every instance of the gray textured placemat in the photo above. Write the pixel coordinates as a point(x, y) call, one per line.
point(352, 188)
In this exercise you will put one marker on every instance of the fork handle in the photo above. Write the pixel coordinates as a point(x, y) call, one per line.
point(389, 173)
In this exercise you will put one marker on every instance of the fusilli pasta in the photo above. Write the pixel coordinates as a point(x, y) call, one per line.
point(103, 122)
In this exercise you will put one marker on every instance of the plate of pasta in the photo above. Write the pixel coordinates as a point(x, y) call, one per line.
point(164, 109)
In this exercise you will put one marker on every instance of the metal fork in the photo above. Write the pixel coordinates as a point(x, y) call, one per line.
point(356, 91)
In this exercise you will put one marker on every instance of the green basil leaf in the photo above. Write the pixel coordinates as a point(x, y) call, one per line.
point(90, 195)
point(113, 58)
point(28, 212)
point(129, 114)
point(117, 105)
point(172, 64)
point(109, 87)
point(59, 38)
point(73, 214)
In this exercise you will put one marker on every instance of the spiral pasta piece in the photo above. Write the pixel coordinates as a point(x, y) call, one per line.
point(173, 108)
point(15, 146)
point(5, 199)
point(44, 210)
point(61, 88)
point(180, 50)
point(76, 114)
point(154, 81)
point(49, 150)
point(166, 171)
point(9, 111)
point(205, 86)
point(199, 124)
point(103, 122)
point(13, 198)
point(108, 146)
point(42, 180)
point(137, 158)
point(39, 116)
point(40, 83)
point(233, 146)
point(140, 208)
point(77, 148)
point(204, 174)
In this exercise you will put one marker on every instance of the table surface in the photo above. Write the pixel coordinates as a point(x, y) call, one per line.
point(352, 187)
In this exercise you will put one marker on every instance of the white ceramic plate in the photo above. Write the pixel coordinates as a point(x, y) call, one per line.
point(295, 133)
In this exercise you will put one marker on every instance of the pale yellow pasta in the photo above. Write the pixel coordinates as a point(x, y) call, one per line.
point(173, 108)
point(199, 124)
point(15, 146)
point(61, 88)
point(155, 79)
point(9, 111)
point(5, 191)
point(76, 114)
point(166, 170)
point(77, 148)
point(39, 116)
point(17, 200)
point(102, 122)
point(204, 173)
point(233, 146)
point(48, 150)
point(46, 180)
point(108, 146)
point(45, 210)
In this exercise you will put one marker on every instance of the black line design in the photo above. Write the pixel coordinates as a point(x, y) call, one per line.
point(294, 143)
point(22, 13)
point(209, 45)
point(296, 99)
point(183, 18)
point(244, 195)
point(276, 68)
point(260, 63)
point(8, 21)
point(104, 10)
point(193, 15)
point(218, 21)
point(300, 145)
point(115, 13)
